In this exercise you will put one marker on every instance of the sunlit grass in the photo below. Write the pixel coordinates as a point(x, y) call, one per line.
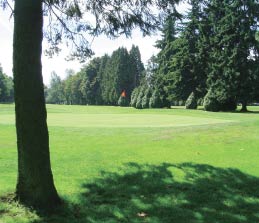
point(87, 140)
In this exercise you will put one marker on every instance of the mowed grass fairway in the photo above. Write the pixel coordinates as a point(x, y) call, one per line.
point(114, 164)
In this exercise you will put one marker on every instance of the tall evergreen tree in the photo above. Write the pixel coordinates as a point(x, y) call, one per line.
point(163, 59)
point(187, 66)
point(235, 50)
point(137, 65)
point(118, 76)
point(90, 83)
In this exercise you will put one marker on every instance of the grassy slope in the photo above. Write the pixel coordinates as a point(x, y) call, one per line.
point(160, 150)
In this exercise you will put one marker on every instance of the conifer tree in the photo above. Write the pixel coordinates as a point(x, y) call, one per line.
point(119, 76)
point(163, 59)
point(136, 65)
point(187, 66)
point(90, 82)
point(234, 51)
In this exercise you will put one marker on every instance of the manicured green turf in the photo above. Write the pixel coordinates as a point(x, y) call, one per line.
point(114, 164)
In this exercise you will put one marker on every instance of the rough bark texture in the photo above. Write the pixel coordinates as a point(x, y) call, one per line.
point(35, 184)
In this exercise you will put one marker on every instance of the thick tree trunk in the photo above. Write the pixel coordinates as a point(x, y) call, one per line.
point(244, 106)
point(35, 184)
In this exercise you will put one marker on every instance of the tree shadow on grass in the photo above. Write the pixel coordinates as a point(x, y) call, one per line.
point(167, 193)
point(248, 112)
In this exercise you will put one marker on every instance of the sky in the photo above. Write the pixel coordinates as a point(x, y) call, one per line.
point(100, 46)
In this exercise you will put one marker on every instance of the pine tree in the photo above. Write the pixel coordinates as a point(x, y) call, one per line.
point(188, 65)
point(141, 94)
point(90, 82)
point(146, 98)
point(118, 76)
point(134, 96)
point(155, 100)
point(137, 65)
point(191, 102)
point(163, 59)
point(235, 50)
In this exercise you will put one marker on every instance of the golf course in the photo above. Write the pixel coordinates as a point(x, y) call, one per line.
point(120, 164)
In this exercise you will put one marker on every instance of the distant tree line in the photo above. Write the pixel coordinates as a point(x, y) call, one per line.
point(209, 57)
point(106, 80)
point(6, 87)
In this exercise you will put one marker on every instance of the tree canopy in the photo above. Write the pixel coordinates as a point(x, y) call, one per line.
point(101, 81)
point(212, 53)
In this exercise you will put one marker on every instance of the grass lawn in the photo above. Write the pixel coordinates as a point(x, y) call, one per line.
point(114, 164)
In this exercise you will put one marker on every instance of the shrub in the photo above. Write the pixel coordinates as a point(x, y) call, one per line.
point(134, 96)
point(139, 98)
point(123, 101)
point(155, 101)
point(200, 101)
point(210, 102)
point(218, 101)
point(191, 102)
point(229, 105)
point(146, 98)
point(181, 103)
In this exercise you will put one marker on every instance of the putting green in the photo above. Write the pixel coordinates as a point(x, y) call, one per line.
point(121, 120)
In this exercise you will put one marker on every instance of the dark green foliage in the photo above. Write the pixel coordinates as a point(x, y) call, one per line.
point(90, 85)
point(191, 102)
point(189, 63)
point(55, 93)
point(6, 87)
point(123, 102)
point(72, 91)
point(137, 67)
point(150, 73)
point(210, 102)
point(234, 50)
point(200, 102)
point(101, 81)
point(181, 103)
point(141, 94)
point(134, 97)
point(216, 47)
point(118, 76)
point(155, 100)
point(146, 98)
point(219, 101)
point(161, 73)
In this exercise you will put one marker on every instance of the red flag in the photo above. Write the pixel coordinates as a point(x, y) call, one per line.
point(123, 94)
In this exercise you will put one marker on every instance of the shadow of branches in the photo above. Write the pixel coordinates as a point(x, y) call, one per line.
point(182, 193)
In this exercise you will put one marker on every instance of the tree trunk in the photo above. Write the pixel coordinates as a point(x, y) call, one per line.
point(35, 186)
point(244, 106)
